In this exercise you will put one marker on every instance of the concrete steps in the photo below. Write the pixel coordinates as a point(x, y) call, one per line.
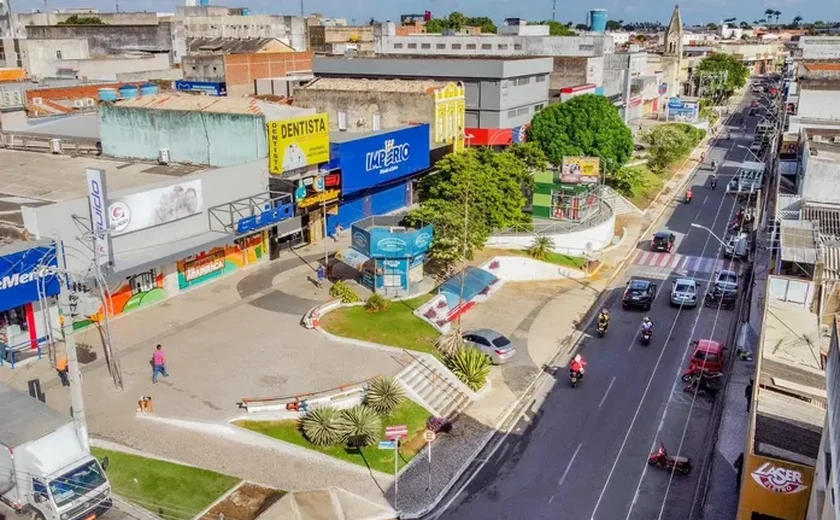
point(429, 382)
point(620, 205)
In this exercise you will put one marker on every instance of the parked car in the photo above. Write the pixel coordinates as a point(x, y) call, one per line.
point(684, 292)
point(639, 294)
point(663, 241)
point(492, 343)
point(726, 280)
point(737, 246)
point(708, 356)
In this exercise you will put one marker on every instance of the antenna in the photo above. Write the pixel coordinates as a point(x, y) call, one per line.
point(553, 10)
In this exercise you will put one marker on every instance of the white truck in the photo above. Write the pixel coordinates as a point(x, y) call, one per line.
point(46, 471)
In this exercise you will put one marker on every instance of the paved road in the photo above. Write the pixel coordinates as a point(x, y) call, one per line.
point(582, 452)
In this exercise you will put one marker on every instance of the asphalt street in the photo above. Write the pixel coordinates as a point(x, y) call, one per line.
point(582, 453)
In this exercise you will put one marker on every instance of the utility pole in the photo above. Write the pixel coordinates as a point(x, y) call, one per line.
point(75, 375)
point(553, 10)
point(301, 8)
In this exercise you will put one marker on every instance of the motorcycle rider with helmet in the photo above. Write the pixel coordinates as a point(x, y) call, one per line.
point(604, 319)
point(647, 325)
point(578, 366)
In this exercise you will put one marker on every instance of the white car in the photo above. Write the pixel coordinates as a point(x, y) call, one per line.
point(684, 292)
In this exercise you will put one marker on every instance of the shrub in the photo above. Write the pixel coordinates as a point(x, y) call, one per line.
point(320, 426)
point(450, 343)
point(359, 426)
point(377, 303)
point(344, 292)
point(384, 395)
point(439, 425)
point(471, 366)
point(541, 247)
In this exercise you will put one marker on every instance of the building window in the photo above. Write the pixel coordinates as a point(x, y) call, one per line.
point(539, 107)
point(502, 46)
point(541, 79)
point(377, 121)
point(398, 46)
point(517, 46)
point(440, 46)
point(456, 46)
point(486, 46)
point(58, 55)
point(586, 47)
point(523, 81)
point(412, 45)
point(471, 46)
point(342, 120)
point(425, 45)
point(511, 113)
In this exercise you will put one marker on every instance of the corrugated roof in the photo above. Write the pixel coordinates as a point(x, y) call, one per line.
point(814, 67)
point(191, 103)
point(25, 418)
point(831, 259)
point(799, 242)
point(788, 206)
point(374, 85)
point(828, 221)
point(229, 45)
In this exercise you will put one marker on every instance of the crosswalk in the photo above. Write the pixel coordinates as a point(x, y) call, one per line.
point(684, 263)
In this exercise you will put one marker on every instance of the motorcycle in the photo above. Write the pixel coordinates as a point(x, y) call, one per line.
point(575, 378)
point(714, 183)
point(694, 372)
point(724, 300)
point(708, 385)
point(646, 335)
point(661, 458)
point(602, 328)
point(688, 196)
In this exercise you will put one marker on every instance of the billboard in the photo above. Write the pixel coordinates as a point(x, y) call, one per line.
point(577, 170)
point(298, 142)
point(154, 207)
point(683, 111)
point(383, 157)
point(24, 275)
point(208, 88)
point(97, 201)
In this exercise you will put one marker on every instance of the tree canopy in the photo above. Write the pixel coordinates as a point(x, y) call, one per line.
point(734, 69)
point(587, 125)
point(556, 28)
point(615, 25)
point(473, 193)
point(457, 21)
point(669, 143)
point(75, 19)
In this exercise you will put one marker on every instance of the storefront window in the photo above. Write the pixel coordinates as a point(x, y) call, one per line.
point(573, 204)
point(14, 318)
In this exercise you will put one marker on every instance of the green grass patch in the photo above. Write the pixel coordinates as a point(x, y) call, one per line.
point(649, 187)
point(575, 262)
point(169, 490)
point(396, 327)
point(408, 412)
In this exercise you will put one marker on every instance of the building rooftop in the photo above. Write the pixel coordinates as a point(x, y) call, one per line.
point(823, 82)
point(210, 104)
point(230, 45)
point(812, 66)
point(37, 179)
point(374, 85)
point(78, 126)
point(799, 242)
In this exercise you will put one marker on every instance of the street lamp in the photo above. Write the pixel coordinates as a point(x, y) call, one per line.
point(698, 226)
point(750, 151)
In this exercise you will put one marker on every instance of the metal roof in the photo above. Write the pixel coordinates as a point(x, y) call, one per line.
point(827, 219)
point(799, 242)
point(373, 85)
point(788, 207)
point(25, 418)
point(229, 45)
point(831, 259)
point(211, 104)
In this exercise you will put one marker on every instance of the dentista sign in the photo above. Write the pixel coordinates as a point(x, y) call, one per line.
point(778, 479)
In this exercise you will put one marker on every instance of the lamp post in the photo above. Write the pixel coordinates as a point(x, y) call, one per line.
point(698, 226)
point(742, 147)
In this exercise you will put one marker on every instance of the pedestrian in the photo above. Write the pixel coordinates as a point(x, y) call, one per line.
point(158, 363)
point(337, 235)
point(62, 368)
point(322, 275)
point(739, 466)
point(748, 394)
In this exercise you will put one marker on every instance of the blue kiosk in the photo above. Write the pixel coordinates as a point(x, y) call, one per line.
point(388, 254)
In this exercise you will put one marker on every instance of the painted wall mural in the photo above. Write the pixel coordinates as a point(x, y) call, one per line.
point(135, 292)
point(209, 265)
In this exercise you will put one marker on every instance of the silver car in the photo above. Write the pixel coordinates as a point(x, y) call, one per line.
point(684, 292)
point(492, 343)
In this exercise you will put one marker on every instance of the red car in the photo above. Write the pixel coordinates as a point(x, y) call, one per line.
point(708, 356)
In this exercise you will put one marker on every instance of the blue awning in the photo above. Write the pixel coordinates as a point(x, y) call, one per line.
point(353, 258)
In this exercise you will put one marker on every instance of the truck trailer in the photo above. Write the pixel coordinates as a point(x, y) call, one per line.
point(46, 471)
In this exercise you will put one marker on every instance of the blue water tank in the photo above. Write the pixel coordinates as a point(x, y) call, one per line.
point(246, 11)
point(129, 91)
point(204, 3)
point(149, 89)
point(598, 20)
point(108, 94)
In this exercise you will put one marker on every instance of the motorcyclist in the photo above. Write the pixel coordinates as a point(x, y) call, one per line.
point(714, 164)
point(702, 157)
point(578, 366)
point(604, 319)
point(713, 181)
point(647, 325)
point(689, 195)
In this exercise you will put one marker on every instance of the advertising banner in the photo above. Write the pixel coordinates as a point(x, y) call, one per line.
point(386, 244)
point(298, 142)
point(208, 88)
point(383, 157)
point(774, 487)
point(97, 202)
point(202, 266)
point(154, 207)
point(577, 170)
point(26, 274)
point(683, 111)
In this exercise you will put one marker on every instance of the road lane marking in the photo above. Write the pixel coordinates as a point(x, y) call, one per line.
point(606, 393)
point(569, 466)
point(550, 500)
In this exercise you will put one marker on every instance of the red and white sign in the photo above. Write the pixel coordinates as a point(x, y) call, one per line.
point(396, 432)
point(779, 479)
point(429, 436)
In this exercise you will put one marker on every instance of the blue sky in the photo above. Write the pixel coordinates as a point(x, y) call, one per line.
point(631, 10)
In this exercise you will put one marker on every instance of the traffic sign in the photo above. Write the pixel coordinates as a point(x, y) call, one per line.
point(429, 435)
point(387, 445)
point(396, 432)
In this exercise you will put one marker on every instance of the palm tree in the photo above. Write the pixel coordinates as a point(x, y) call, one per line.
point(762, 21)
point(797, 20)
point(768, 13)
point(777, 14)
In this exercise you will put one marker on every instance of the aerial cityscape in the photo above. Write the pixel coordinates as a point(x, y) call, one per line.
point(323, 260)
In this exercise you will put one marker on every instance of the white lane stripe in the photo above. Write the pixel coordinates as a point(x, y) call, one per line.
point(675, 261)
point(606, 393)
point(569, 466)
point(644, 258)
point(664, 260)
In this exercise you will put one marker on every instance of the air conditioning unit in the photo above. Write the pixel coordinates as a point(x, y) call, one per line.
point(817, 139)
point(37, 101)
point(836, 139)
point(78, 103)
point(55, 146)
point(163, 156)
point(90, 102)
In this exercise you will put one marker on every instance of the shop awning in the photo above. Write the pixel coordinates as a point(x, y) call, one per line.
point(353, 258)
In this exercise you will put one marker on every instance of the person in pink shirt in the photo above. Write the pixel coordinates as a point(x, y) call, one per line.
point(158, 364)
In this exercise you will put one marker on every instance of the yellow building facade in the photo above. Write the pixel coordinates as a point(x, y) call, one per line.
point(450, 115)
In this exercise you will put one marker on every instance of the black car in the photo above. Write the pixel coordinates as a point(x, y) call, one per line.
point(639, 294)
point(663, 241)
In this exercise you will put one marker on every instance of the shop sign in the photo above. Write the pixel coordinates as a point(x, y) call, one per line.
point(298, 142)
point(361, 240)
point(264, 219)
point(27, 275)
point(203, 266)
point(318, 184)
point(332, 180)
point(778, 479)
point(577, 170)
point(154, 207)
point(324, 196)
point(382, 158)
point(208, 88)
point(519, 133)
point(98, 202)
point(405, 244)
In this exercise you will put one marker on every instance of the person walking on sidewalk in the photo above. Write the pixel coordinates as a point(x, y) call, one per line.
point(158, 363)
point(748, 394)
point(61, 367)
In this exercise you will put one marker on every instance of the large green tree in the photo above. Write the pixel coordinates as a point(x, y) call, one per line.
point(587, 125)
point(457, 21)
point(670, 143)
point(472, 194)
point(728, 73)
point(556, 28)
point(75, 19)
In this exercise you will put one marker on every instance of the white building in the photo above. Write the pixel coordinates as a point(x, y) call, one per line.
point(586, 45)
point(620, 37)
point(819, 48)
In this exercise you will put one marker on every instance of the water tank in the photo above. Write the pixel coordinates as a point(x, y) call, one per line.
point(204, 3)
point(246, 11)
point(108, 94)
point(149, 89)
point(598, 20)
point(129, 91)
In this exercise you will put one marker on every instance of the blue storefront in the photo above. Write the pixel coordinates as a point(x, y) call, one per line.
point(28, 287)
point(377, 172)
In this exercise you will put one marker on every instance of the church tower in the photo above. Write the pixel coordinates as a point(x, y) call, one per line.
point(673, 55)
